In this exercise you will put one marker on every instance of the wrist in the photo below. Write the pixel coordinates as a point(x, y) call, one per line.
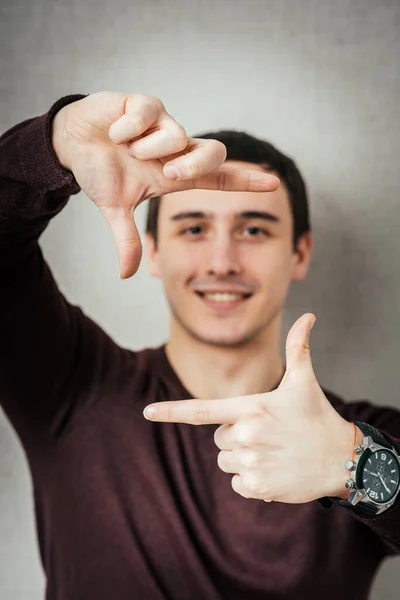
point(60, 139)
point(343, 452)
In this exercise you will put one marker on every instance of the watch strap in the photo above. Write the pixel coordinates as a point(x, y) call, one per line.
point(375, 434)
point(360, 508)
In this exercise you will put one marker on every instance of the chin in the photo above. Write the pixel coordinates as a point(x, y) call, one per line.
point(224, 339)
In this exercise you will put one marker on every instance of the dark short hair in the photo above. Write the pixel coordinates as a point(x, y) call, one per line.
point(247, 148)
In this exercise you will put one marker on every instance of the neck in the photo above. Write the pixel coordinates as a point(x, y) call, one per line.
point(210, 371)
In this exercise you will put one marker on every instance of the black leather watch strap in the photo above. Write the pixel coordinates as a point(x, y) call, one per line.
point(360, 508)
point(376, 435)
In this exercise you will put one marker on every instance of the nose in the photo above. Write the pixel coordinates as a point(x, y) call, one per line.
point(223, 259)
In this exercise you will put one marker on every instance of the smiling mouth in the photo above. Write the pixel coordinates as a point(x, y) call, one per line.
point(224, 297)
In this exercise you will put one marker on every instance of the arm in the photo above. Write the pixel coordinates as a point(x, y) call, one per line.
point(34, 317)
point(290, 445)
point(117, 148)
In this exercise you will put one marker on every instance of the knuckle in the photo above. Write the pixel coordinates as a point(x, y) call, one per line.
point(153, 102)
point(138, 122)
point(219, 149)
point(136, 148)
point(180, 139)
point(170, 412)
point(254, 485)
point(201, 414)
point(141, 103)
point(250, 459)
point(157, 103)
point(244, 436)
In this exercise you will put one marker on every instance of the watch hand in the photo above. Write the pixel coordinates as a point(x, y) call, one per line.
point(384, 484)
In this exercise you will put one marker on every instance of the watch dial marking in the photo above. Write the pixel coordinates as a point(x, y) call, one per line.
point(379, 480)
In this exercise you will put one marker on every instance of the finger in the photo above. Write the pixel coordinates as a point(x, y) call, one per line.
point(235, 461)
point(237, 179)
point(127, 238)
point(223, 437)
point(141, 112)
point(246, 433)
point(202, 156)
point(202, 166)
point(198, 412)
point(170, 138)
point(227, 462)
point(298, 355)
point(201, 169)
point(249, 486)
point(238, 487)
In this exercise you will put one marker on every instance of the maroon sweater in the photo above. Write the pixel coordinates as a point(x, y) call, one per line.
point(125, 508)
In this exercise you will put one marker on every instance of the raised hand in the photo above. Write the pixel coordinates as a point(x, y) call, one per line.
point(125, 148)
point(288, 445)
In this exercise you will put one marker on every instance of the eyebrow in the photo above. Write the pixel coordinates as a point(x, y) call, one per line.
point(248, 214)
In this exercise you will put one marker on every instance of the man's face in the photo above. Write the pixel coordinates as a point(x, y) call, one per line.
point(226, 260)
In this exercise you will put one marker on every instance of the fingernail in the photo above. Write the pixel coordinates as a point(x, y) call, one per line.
point(150, 412)
point(171, 172)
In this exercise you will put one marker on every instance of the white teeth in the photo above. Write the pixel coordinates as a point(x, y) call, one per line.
point(224, 297)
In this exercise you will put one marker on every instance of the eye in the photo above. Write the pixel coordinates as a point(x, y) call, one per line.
point(192, 231)
point(254, 231)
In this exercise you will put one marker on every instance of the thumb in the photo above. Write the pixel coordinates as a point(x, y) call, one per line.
point(298, 355)
point(127, 238)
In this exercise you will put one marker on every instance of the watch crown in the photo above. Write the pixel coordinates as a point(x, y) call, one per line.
point(358, 450)
point(350, 483)
point(350, 465)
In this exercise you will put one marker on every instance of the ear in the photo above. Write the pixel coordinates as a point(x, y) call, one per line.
point(152, 256)
point(302, 256)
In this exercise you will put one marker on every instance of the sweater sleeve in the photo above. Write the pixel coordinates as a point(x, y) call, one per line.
point(387, 420)
point(50, 352)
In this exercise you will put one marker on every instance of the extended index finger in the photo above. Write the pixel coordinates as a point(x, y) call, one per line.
point(197, 412)
point(237, 179)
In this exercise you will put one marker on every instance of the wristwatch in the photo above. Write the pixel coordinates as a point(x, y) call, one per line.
point(375, 474)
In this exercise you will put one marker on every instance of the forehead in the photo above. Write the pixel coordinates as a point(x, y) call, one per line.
point(227, 204)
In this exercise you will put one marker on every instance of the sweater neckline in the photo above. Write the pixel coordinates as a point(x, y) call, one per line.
point(170, 374)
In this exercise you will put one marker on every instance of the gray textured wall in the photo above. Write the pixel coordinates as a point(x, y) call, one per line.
point(319, 78)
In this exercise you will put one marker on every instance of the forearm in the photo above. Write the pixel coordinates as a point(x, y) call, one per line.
point(37, 325)
point(342, 452)
point(34, 186)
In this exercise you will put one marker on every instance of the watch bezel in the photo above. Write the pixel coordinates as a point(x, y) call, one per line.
point(359, 494)
point(368, 452)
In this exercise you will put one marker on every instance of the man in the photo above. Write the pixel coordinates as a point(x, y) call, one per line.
point(127, 508)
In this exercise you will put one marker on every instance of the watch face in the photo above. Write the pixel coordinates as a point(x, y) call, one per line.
point(381, 475)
